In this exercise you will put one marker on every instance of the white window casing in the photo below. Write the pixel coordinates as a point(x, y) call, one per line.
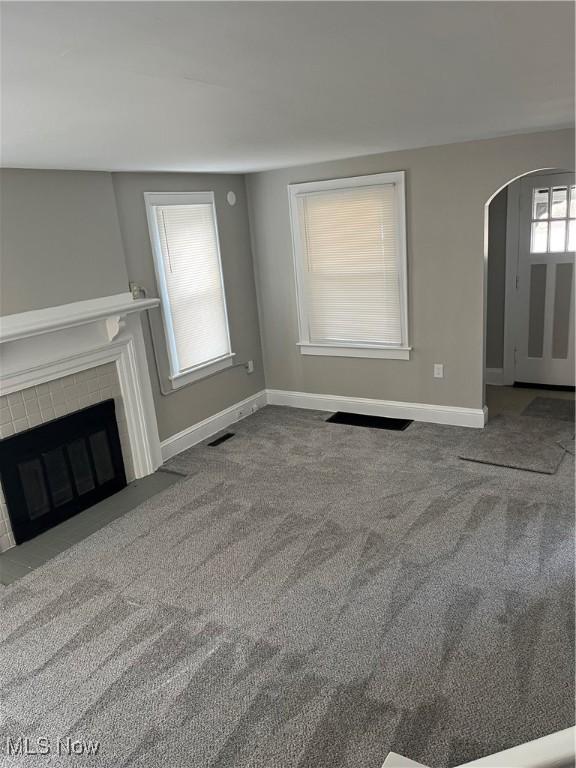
point(349, 244)
point(184, 237)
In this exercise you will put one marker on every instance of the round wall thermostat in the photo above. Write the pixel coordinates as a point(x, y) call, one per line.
point(231, 197)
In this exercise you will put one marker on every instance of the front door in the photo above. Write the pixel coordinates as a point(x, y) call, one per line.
point(544, 300)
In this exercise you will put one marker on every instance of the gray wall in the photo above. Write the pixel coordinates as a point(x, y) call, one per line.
point(195, 402)
point(496, 285)
point(69, 236)
point(447, 189)
point(60, 239)
point(61, 242)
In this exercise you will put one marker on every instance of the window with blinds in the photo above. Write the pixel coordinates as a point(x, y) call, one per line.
point(187, 260)
point(350, 259)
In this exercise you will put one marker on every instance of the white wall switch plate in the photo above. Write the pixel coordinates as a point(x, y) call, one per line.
point(250, 366)
point(438, 370)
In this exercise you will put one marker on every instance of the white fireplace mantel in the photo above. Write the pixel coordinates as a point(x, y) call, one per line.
point(40, 321)
point(47, 344)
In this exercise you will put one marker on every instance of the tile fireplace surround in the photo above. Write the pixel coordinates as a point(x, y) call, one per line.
point(58, 360)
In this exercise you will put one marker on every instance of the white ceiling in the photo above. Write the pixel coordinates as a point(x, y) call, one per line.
point(248, 86)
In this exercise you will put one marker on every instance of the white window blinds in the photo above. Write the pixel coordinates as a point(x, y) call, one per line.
point(189, 270)
point(351, 263)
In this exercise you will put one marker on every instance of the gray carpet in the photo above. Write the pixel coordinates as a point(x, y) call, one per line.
point(312, 596)
point(521, 442)
point(551, 408)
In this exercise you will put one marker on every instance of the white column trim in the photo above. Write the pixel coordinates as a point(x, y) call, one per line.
point(138, 403)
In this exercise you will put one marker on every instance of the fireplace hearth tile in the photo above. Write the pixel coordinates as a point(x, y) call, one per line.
point(35, 552)
point(18, 411)
point(32, 406)
point(11, 571)
point(24, 558)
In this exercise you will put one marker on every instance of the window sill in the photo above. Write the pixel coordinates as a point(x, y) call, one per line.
point(201, 371)
point(337, 350)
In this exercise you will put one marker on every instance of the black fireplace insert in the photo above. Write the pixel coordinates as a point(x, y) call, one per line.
point(57, 469)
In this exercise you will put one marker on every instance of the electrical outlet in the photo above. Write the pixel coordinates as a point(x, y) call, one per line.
point(250, 366)
point(438, 370)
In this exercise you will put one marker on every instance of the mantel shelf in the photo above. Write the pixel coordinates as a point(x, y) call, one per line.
point(35, 322)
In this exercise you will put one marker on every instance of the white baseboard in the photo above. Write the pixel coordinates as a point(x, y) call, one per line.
point(436, 414)
point(204, 429)
point(495, 377)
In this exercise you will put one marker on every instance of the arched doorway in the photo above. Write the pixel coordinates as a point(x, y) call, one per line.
point(529, 240)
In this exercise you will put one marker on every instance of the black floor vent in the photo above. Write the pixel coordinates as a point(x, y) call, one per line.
point(374, 422)
point(221, 439)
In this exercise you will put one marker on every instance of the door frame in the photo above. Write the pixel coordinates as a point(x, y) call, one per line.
point(512, 253)
point(512, 249)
